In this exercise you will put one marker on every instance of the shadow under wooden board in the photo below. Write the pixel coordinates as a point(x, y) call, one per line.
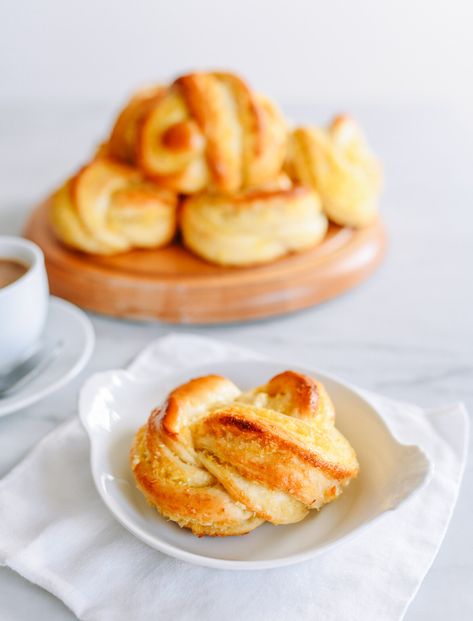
point(173, 285)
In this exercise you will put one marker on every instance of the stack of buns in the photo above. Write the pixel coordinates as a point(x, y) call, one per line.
point(209, 157)
point(221, 462)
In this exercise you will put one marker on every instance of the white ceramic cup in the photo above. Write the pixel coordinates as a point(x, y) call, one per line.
point(23, 303)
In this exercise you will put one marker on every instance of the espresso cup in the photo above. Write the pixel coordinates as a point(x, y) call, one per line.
point(23, 302)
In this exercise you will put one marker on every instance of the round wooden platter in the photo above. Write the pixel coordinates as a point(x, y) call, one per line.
point(173, 285)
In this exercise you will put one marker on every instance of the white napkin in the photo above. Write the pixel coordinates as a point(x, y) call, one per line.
point(55, 531)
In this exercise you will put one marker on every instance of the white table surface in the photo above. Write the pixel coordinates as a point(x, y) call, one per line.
point(407, 332)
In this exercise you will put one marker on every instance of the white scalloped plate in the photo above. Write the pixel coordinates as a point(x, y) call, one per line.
point(115, 403)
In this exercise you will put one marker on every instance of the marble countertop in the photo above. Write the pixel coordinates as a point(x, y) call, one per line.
point(407, 332)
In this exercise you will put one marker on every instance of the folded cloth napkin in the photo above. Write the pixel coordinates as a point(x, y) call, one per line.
point(55, 531)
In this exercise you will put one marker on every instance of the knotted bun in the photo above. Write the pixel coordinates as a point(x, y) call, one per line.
point(248, 228)
point(221, 462)
point(338, 164)
point(108, 208)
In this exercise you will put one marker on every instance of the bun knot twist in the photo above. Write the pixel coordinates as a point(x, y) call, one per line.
point(109, 207)
point(221, 462)
point(338, 164)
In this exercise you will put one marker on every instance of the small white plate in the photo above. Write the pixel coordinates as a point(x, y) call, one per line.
point(70, 326)
point(115, 403)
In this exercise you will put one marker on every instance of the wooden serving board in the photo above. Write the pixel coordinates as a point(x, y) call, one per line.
point(173, 285)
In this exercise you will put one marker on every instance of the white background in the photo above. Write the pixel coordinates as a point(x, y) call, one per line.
point(299, 51)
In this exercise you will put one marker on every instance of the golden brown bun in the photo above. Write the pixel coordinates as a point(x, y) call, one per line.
point(252, 227)
point(207, 131)
point(338, 164)
point(109, 208)
point(220, 462)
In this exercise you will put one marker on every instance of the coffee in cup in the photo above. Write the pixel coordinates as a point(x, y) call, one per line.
point(23, 299)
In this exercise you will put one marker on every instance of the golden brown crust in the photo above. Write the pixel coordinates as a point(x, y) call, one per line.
point(200, 504)
point(304, 389)
point(184, 406)
point(168, 473)
point(296, 395)
point(108, 207)
point(220, 462)
point(181, 136)
point(205, 100)
point(293, 462)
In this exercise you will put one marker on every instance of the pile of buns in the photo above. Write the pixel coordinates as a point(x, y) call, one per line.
point(222, 462)
point(209, 157)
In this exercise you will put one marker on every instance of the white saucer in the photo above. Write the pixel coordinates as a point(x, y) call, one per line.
point(70, 326)
point(115, 403)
